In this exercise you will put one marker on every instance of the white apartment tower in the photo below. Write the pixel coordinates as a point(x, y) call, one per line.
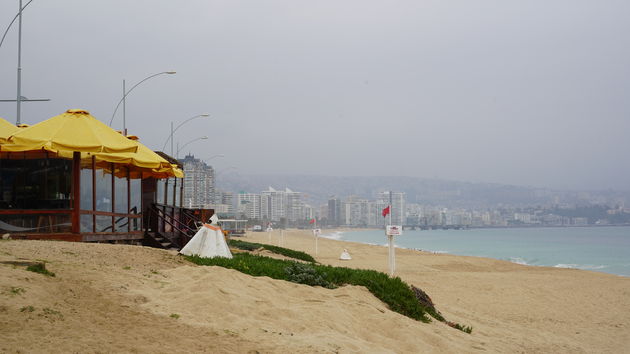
point(294, 205)
point(198, 183)
point(278, 204)
point(249, 205)
point(273, 204)
point(398, 206)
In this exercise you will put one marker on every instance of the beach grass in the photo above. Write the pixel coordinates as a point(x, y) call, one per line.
point(251, 246)
point(392, 291)
point(41, 269)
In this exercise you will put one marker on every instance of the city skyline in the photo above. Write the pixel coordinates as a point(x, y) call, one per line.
point(524, 94)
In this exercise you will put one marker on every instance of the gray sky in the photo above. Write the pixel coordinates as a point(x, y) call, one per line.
point(519, 92)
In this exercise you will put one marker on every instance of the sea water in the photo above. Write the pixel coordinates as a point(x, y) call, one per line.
point(603, 249)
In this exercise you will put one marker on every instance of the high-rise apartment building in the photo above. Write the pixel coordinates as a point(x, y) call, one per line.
point(273, 204)
point(355, 211)
point(249, 205)
point(294, 205)
point(398, 205)
point(198, 182)
point(375, 213)
point(276, 205)
point(334, 211)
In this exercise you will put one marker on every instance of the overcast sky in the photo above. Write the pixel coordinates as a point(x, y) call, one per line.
point(519, 92)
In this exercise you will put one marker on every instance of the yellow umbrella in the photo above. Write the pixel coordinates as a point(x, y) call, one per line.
point(78, 131)
point(141, 164)
point(139, 172)
point(143, 157)
point(75, 130)
point(6, 130)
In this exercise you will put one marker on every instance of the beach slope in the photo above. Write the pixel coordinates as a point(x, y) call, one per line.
point(118, 298)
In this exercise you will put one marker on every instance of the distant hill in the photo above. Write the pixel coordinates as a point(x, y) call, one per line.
point(418, 190)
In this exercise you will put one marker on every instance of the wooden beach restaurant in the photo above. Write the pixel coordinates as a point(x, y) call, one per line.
point(73, 178)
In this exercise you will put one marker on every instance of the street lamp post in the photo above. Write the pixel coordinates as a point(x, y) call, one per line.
point(183, 146)
point(19, 68)
point(19, 99)
point(126, 93)
point(19, 14)
point(170, 137)
point(211, 157)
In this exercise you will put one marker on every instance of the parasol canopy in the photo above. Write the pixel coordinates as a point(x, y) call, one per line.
point(6, 130)
point(75, 130)
point(141, 164)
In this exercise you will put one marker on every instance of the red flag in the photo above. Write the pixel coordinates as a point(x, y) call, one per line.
point(312, 221)
point(385, 211)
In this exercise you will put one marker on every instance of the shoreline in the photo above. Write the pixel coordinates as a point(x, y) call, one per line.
point(522, 260)
point(419, 228)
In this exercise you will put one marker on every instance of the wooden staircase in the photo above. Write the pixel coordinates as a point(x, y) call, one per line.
point(157, 240)
point(181, 229)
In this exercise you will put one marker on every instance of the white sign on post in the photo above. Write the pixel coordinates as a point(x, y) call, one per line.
point(394, 230)
point(317, 232)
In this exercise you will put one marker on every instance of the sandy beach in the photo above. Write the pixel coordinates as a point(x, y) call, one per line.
point(119, 298)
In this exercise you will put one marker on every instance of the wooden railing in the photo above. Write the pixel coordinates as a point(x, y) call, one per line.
point(171, 222)
point(29, 221)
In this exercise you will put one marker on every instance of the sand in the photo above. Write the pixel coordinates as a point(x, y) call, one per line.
point(119, 298)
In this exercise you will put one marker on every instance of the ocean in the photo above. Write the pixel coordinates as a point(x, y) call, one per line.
point(601, 249)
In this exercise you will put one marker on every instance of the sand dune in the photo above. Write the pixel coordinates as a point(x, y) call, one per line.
point(118, 298)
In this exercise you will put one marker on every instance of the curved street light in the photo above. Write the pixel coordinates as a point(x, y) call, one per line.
point(170, 137)
point(224, 170)
point(126, 93)
point(192, 141)
point(19, 66)
point(211, 157)
point(14, 18)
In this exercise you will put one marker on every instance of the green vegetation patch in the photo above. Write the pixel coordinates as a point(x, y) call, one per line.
point(41, 269)
point(16, 291)
point(28, 308)
point(251, 246)
point(392, 291)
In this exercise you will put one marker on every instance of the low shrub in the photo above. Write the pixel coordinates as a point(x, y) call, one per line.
point(251, 246)
point(392, 291)
point(305, 274)
point(467, 329)
point(398, 295)
point(41, 269)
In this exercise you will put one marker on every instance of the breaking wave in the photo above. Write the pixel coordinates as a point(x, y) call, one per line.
point(580, 266)
point(518, 260)
point(335, 235)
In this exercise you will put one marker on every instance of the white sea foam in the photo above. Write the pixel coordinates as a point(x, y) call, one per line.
point(429, 251)
point(336, 235)
point(580, 266)
point(565, 265)
point(518, 260)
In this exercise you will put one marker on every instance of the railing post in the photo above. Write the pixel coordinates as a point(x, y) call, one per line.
point(76, 192)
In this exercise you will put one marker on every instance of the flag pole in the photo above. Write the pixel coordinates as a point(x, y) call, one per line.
point(316, 237)
point(392, 255)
